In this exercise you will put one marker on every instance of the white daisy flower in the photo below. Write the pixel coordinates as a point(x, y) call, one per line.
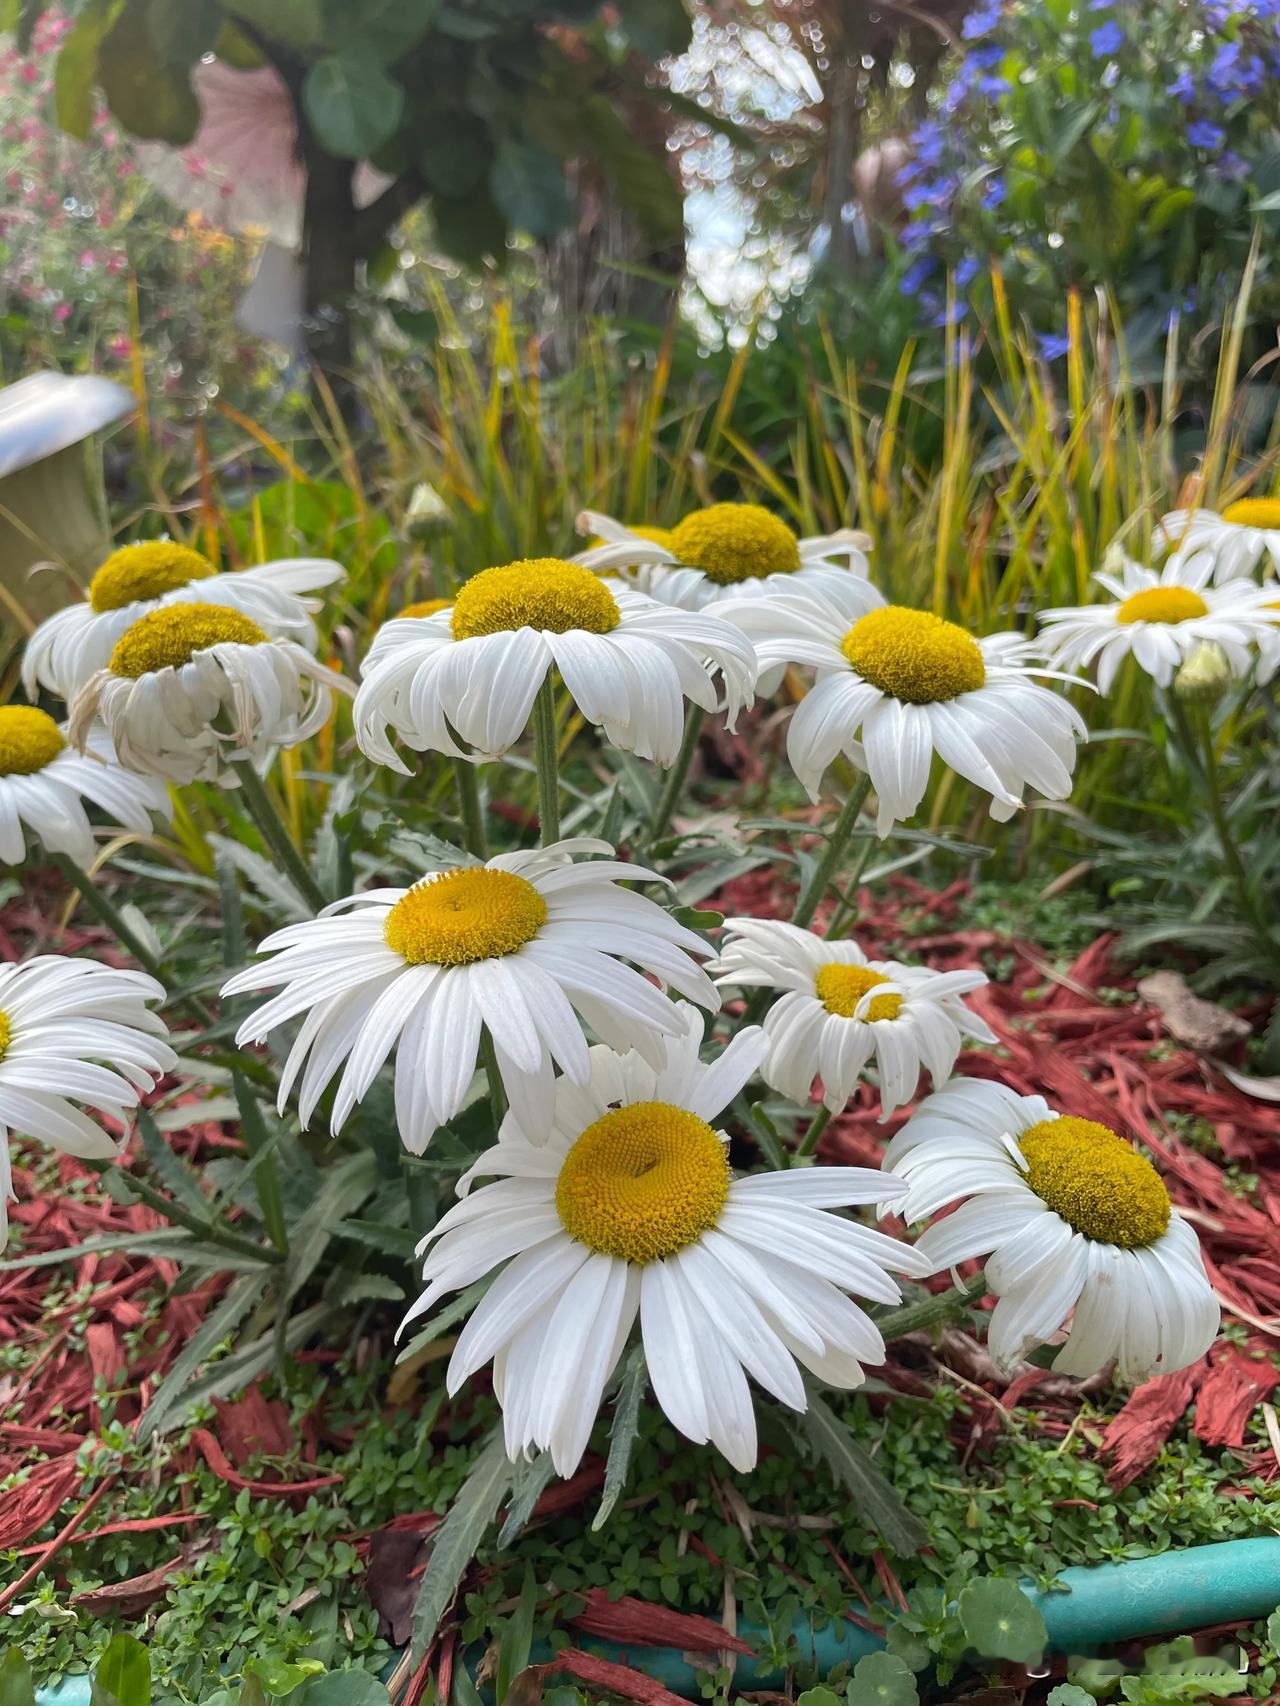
point(74, 643)
point(725, 551)
point(59, 1019)
point(629, 662)
point(521, 946)
point(1069, 1218)
point(624, 1204)
point(897, 685)
point(1160, 617)
point(45, 783)
point(841, 1011)
point(191, 687)
point(1237, 539)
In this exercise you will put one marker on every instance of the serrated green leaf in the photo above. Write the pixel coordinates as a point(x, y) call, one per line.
point(882, 1679)
point(242, 1296)
point(458, 1538)
point(622, 1436)
point(1000, 1622)
point(882, 1505)
point(352, 104)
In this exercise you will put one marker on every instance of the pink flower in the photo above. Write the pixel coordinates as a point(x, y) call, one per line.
point(29, 73)
point(116, 264)
point(62, 312)
point(88, 260)
point(121, 348)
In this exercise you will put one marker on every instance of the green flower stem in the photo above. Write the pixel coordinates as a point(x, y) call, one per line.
point(817, 1125)
point(933, 1310)
point(847, 905)
point(276, 835)
point(107, 912)
point(1197, 745)
point(546, 747)
point(472, 812)
point(180, 1216)
point(695, 716)
point(829, 864)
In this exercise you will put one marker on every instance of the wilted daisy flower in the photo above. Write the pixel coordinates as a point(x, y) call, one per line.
point(629, 662)
point(1161, 617)
point(841, 1011)
point(44, 783)
point(521, 945)
point(624, 1204)
point(725, 551)
point(73, 643)
point(897, 685)
point(1236, 539)
point(59, 1019)
point(1069, 1217)
point(190, 687)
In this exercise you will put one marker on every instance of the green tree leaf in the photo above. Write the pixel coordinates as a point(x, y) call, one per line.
point(77, 69)
point(1000, 1621)
point(123, 1674)
point(881, 1679)
point(296, 23)
point(529, 186)
point(181, 30)
point(384, 30)
point(152, 100)
point(352, 104)
point(16, 1685)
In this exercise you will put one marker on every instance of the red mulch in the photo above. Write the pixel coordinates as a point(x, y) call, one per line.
point(1085, 1053)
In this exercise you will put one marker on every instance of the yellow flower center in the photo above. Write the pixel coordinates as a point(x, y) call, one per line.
point(467, 914)
point(540, 592)
point(643, 1182)
point(171, 636)
point(6, 1033)
point(148, 570)
point(1253, 512)
point(29, 739)
point(424, 607)
point(841, 987)
point(914, 656)
point(1097, 1182)
point(735, 542)
point(1162, 604)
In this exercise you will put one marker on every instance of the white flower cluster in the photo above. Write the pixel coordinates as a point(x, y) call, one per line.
point(610, 1198)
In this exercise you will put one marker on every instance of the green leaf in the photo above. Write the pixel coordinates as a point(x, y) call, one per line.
point(352, 104)
point(853, 1469)
point(344, 1688)
point(529, 186)
point(1067, 1694)
point(452, 152)
point(277, 1676)
point(1273, 1622)
point(655, 28)
point(123, 1674)
point(182, 30)
point(152, 100)
point(914, 1651)
point(384, 30)
point(469, 228)
point(458, 1539)
point(516, 1640)
point(1173, 206)
point(296, 23)
point(77, 68)
point(1000, 1621)
point(529, 1483)
point(16, 1685)
point(241, 1297)
point(881, 1679)
point(234, 48)
point(818, 1697)
point(622, 1436)
point(266, 1172)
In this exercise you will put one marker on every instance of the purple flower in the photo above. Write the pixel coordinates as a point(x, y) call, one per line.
point(994, 193)
point(1106, 39)
point(1183, 88)
point(1202, 133)
point(986, 56)
point(981, 21)
point(1230, 167)
point(966, 272)
point(928, 143)
point(1053, 345)
point(930, 192)
point(992, 87)
point(917, 275)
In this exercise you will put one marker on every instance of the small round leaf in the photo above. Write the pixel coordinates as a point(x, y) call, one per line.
point(352, 104)
point(1000, 1621)
point(882, 1679)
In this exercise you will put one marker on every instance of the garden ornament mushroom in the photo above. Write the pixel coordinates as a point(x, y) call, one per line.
point(52, 504)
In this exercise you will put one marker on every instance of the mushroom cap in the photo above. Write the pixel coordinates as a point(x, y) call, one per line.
point(50, 412)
